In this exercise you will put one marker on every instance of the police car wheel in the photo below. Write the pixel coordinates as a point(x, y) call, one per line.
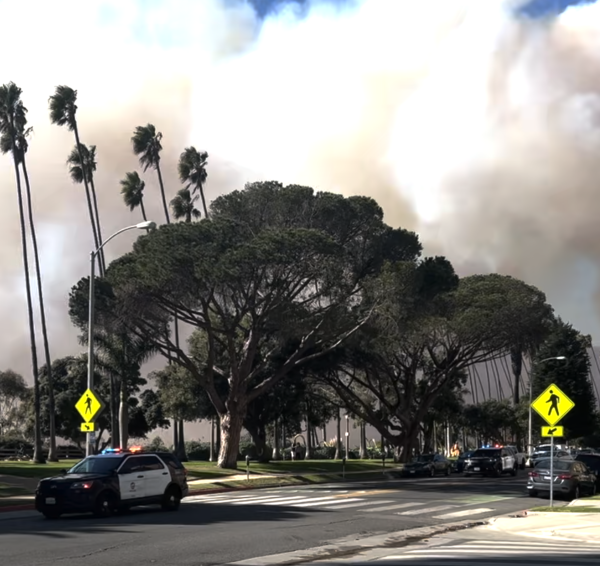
point(105, 505)
point(171, 499)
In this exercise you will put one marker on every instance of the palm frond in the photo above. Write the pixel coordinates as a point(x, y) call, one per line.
point(147, 146)
point(63, 107)
point(182, 205)
point(13, 121)
point(132, 189)
point(192, 167)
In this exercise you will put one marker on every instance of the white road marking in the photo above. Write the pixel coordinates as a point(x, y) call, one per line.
point(465, 513)
point(427, 510)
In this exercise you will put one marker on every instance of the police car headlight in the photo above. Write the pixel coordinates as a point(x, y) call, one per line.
point(82, 485)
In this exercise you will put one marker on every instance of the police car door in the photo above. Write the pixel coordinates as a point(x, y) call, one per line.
point(157, 475)
point(508, 460)
point(132, 481)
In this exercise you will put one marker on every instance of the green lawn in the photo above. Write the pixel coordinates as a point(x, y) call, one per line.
point(11, 490)
point(30, 470)
point(209, 470)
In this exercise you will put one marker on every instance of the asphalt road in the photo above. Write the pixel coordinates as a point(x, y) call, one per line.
point(230, 527)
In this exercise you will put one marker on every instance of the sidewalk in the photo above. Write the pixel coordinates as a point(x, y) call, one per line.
point(567, 526)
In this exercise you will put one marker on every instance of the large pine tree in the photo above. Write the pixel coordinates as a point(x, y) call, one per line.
point(572, 376)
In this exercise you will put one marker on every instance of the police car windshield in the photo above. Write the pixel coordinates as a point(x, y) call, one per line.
point(95, 465)
point(486, 453)
point(424, 458)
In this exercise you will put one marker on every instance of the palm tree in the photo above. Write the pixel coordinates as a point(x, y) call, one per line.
point(132, 189)
point(63, 111)
point(192, 170)
point(147, 146)
point(79, 171)
point(12, 131)
point(183, 206)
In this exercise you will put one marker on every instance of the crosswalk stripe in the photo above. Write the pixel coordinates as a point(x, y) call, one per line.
point(285, 500)
point(258, 500)
point(314, 502)
point(234, 500)
point(392, 507)
point(427, 510)
point(464, 513)
point(344, 506)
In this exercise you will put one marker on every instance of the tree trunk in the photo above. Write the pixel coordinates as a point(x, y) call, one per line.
point(38, 454)
point(182, 452)
point(276, 452)
point(89, 203)
point(201, 189)
point(143, 210)
point(123, 416)
point(309, 442)
point(114, 417)
point(175, 436)
point(211, 457)
point(38, 272)
point(97, 218)
point(516, 359)
point(363, 442)
point(324, 435)
point(162, 193)
point(338, 437)
point(258, 432)
point(231, 431)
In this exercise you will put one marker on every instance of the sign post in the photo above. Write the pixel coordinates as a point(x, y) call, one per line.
point(552, 405)
point(89, 407)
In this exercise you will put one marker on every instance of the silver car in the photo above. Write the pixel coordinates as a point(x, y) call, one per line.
point(571, 478)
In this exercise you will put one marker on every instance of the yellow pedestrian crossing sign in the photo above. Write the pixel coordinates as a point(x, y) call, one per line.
point(88, 427)
point(89, 405)
point(548, 431)
point(552, 405)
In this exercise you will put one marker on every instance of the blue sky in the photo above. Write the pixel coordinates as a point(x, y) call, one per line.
point(535, 7)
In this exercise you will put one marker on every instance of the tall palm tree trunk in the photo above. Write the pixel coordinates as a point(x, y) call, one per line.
point(52, 425)
point(162, 193)
point(203, 201)
point(38, 455)
point(143, 210)
point(89, 203)
point(97, 218)
point(178, 438)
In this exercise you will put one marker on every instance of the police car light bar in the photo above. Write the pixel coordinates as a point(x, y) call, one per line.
point(135, 449)
point(111, 450)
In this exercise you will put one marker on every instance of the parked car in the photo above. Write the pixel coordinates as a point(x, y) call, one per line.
point(543, 453)
point(592, 461)
point(571, 478)
point(460, 461)
point(491, 461)
point(427, 464)
point(520, 457)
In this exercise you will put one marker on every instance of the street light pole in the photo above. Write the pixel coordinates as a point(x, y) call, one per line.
point(529, 432)
point(90, 368)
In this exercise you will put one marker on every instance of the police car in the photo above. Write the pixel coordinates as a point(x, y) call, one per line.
point(495, 460)
point(114, 480)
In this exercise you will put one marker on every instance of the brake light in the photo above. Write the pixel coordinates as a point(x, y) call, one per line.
point(533, 474)
point(565, 477)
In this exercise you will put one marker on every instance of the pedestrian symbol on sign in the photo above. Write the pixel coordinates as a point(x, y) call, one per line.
point(554, 400)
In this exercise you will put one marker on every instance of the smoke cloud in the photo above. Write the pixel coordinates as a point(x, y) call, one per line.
point(477, 128)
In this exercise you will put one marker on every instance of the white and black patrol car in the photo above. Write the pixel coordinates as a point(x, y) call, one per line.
point(112, 481)
point(491, 460)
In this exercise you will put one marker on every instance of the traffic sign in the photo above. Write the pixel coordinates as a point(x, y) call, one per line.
point(548, 431)
point(88, 427)
point(552, 405)
point(89, 405)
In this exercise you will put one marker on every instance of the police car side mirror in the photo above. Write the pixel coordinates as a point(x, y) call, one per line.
point(63, 472)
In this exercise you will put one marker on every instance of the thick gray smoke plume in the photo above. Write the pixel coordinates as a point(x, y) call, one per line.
point(467, 124)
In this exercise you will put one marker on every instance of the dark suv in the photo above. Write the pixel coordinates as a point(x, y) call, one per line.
point(592, 461)
point(114, 480)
